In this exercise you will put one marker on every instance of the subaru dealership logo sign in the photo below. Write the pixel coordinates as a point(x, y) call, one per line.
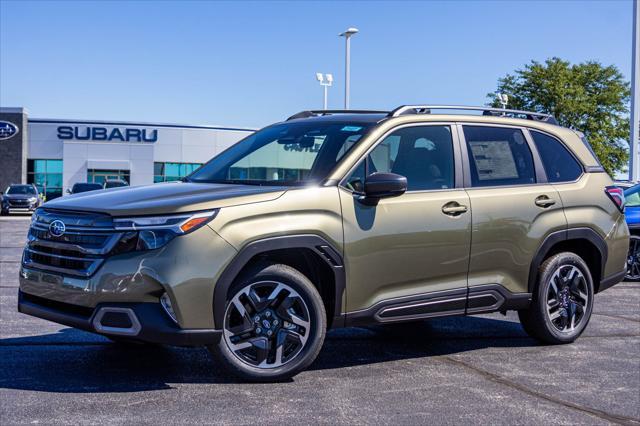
point(116, 134)
point(57, 228)
point(7, 130)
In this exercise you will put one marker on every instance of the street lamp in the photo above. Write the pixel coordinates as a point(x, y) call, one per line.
point(325, 80)
point(503, 98)
point(347, 63)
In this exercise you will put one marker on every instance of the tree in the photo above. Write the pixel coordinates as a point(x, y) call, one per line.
point(588, 97)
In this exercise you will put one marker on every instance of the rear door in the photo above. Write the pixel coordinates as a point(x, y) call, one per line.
point(513, 206)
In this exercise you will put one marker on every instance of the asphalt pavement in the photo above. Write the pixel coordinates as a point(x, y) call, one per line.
point(482, 370)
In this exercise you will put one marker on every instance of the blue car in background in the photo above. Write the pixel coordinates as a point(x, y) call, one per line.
point(632, 215)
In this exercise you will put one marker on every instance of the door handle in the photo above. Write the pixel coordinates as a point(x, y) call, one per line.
point(544, 201)
point(453, 208)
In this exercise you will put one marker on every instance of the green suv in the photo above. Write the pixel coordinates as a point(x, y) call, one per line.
point(335, 219)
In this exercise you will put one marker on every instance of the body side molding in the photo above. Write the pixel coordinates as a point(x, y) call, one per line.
point(462, 301)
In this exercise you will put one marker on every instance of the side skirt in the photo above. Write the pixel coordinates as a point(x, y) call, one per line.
point(464, 301)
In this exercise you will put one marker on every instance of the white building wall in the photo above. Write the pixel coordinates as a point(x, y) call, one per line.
point(174, 144)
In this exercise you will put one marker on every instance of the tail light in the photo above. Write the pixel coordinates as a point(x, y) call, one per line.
point(616, 195)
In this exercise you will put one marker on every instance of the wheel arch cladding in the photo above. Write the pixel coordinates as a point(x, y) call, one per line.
point(585, 242)
point(312, 255)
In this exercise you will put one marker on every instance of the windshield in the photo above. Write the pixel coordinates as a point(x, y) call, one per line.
point(84, 187)
point(114, 184)
point(284, 154)
point(632, 196)
point(21, 190)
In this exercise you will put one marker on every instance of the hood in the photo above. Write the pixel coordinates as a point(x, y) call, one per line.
point(165, 198)
point(19, 196)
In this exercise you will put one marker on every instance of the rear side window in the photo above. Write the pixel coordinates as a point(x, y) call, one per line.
point(498, 156)
point(559, 164)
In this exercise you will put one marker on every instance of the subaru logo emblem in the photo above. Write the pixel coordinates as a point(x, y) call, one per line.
point(7, 130)
point(57, 228)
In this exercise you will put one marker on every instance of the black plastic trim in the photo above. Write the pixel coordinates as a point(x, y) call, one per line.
point(495, 297)
point(156, 325)
point(433, 304)
point(462, 301)
point(322, 247)
point(611, 280)
point(566, 235)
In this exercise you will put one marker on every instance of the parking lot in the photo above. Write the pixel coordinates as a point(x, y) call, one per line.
point(481, 369)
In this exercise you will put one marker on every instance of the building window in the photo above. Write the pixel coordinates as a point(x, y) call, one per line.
point(100, 175)
point(167, 172)
point(47, 176)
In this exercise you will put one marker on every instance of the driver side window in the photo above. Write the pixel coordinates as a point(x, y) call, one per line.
point(422, 154)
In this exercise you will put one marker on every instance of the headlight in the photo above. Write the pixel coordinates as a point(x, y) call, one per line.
point(33, 199)
point(152, 232)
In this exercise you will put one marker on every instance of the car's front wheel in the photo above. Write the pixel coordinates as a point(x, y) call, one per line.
point(274, 324)
point(562, 302)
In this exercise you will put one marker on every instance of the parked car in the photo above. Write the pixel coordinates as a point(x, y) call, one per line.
point(632, 215)
point(339, 218)
point(20, 198)
point(84, 187)
point(114, 183)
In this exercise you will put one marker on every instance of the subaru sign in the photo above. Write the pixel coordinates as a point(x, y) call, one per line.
point(7, 130)
point(104, 134)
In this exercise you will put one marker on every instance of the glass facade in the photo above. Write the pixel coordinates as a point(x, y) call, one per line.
point(47, 176)
point(166, 172)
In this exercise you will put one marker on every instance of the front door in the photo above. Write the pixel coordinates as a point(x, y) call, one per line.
point(404, 251)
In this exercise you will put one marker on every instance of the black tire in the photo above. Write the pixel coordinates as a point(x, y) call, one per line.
point(633, 259)
point(307, 295)
point(537, 320)
point(4, 213)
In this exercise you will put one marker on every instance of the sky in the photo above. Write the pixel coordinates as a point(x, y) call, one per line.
point(253, 63)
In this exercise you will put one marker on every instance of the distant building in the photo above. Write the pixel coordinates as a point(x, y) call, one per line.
point(55, 154)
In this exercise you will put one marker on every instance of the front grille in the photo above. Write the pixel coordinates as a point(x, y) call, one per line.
point(91, 240)
point(87, 240)
point(19, 203)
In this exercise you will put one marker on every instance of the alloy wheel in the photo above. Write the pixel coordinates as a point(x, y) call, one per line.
point(568, 298)
point(633, 259)
point(266, 324)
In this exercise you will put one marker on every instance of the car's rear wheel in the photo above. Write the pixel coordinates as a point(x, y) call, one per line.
point(633, 259)
point(562, 302)
point(274, 324)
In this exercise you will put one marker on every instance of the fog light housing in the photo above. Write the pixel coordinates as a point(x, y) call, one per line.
point(165, 301)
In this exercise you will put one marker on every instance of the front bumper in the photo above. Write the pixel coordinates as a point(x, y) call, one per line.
point(186, 269)
point(147, 321)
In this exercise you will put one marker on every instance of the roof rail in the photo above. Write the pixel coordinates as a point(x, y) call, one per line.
point(321, 112)
point(515, 113)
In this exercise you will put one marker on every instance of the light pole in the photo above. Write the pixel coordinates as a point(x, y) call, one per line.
point(634, 140)
point(503, 98)
point(325, 80)
point(347, 63)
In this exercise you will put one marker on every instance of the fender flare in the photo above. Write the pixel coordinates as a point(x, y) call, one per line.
point(566, 235)
point(319, 245)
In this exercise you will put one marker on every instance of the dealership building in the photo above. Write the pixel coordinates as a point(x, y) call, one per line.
point(55, 154)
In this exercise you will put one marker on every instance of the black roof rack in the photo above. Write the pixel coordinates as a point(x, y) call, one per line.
point(321, 112)
point(497, 112)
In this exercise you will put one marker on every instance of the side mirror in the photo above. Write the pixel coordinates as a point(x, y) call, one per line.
point(384, 185)
point(68, 191)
